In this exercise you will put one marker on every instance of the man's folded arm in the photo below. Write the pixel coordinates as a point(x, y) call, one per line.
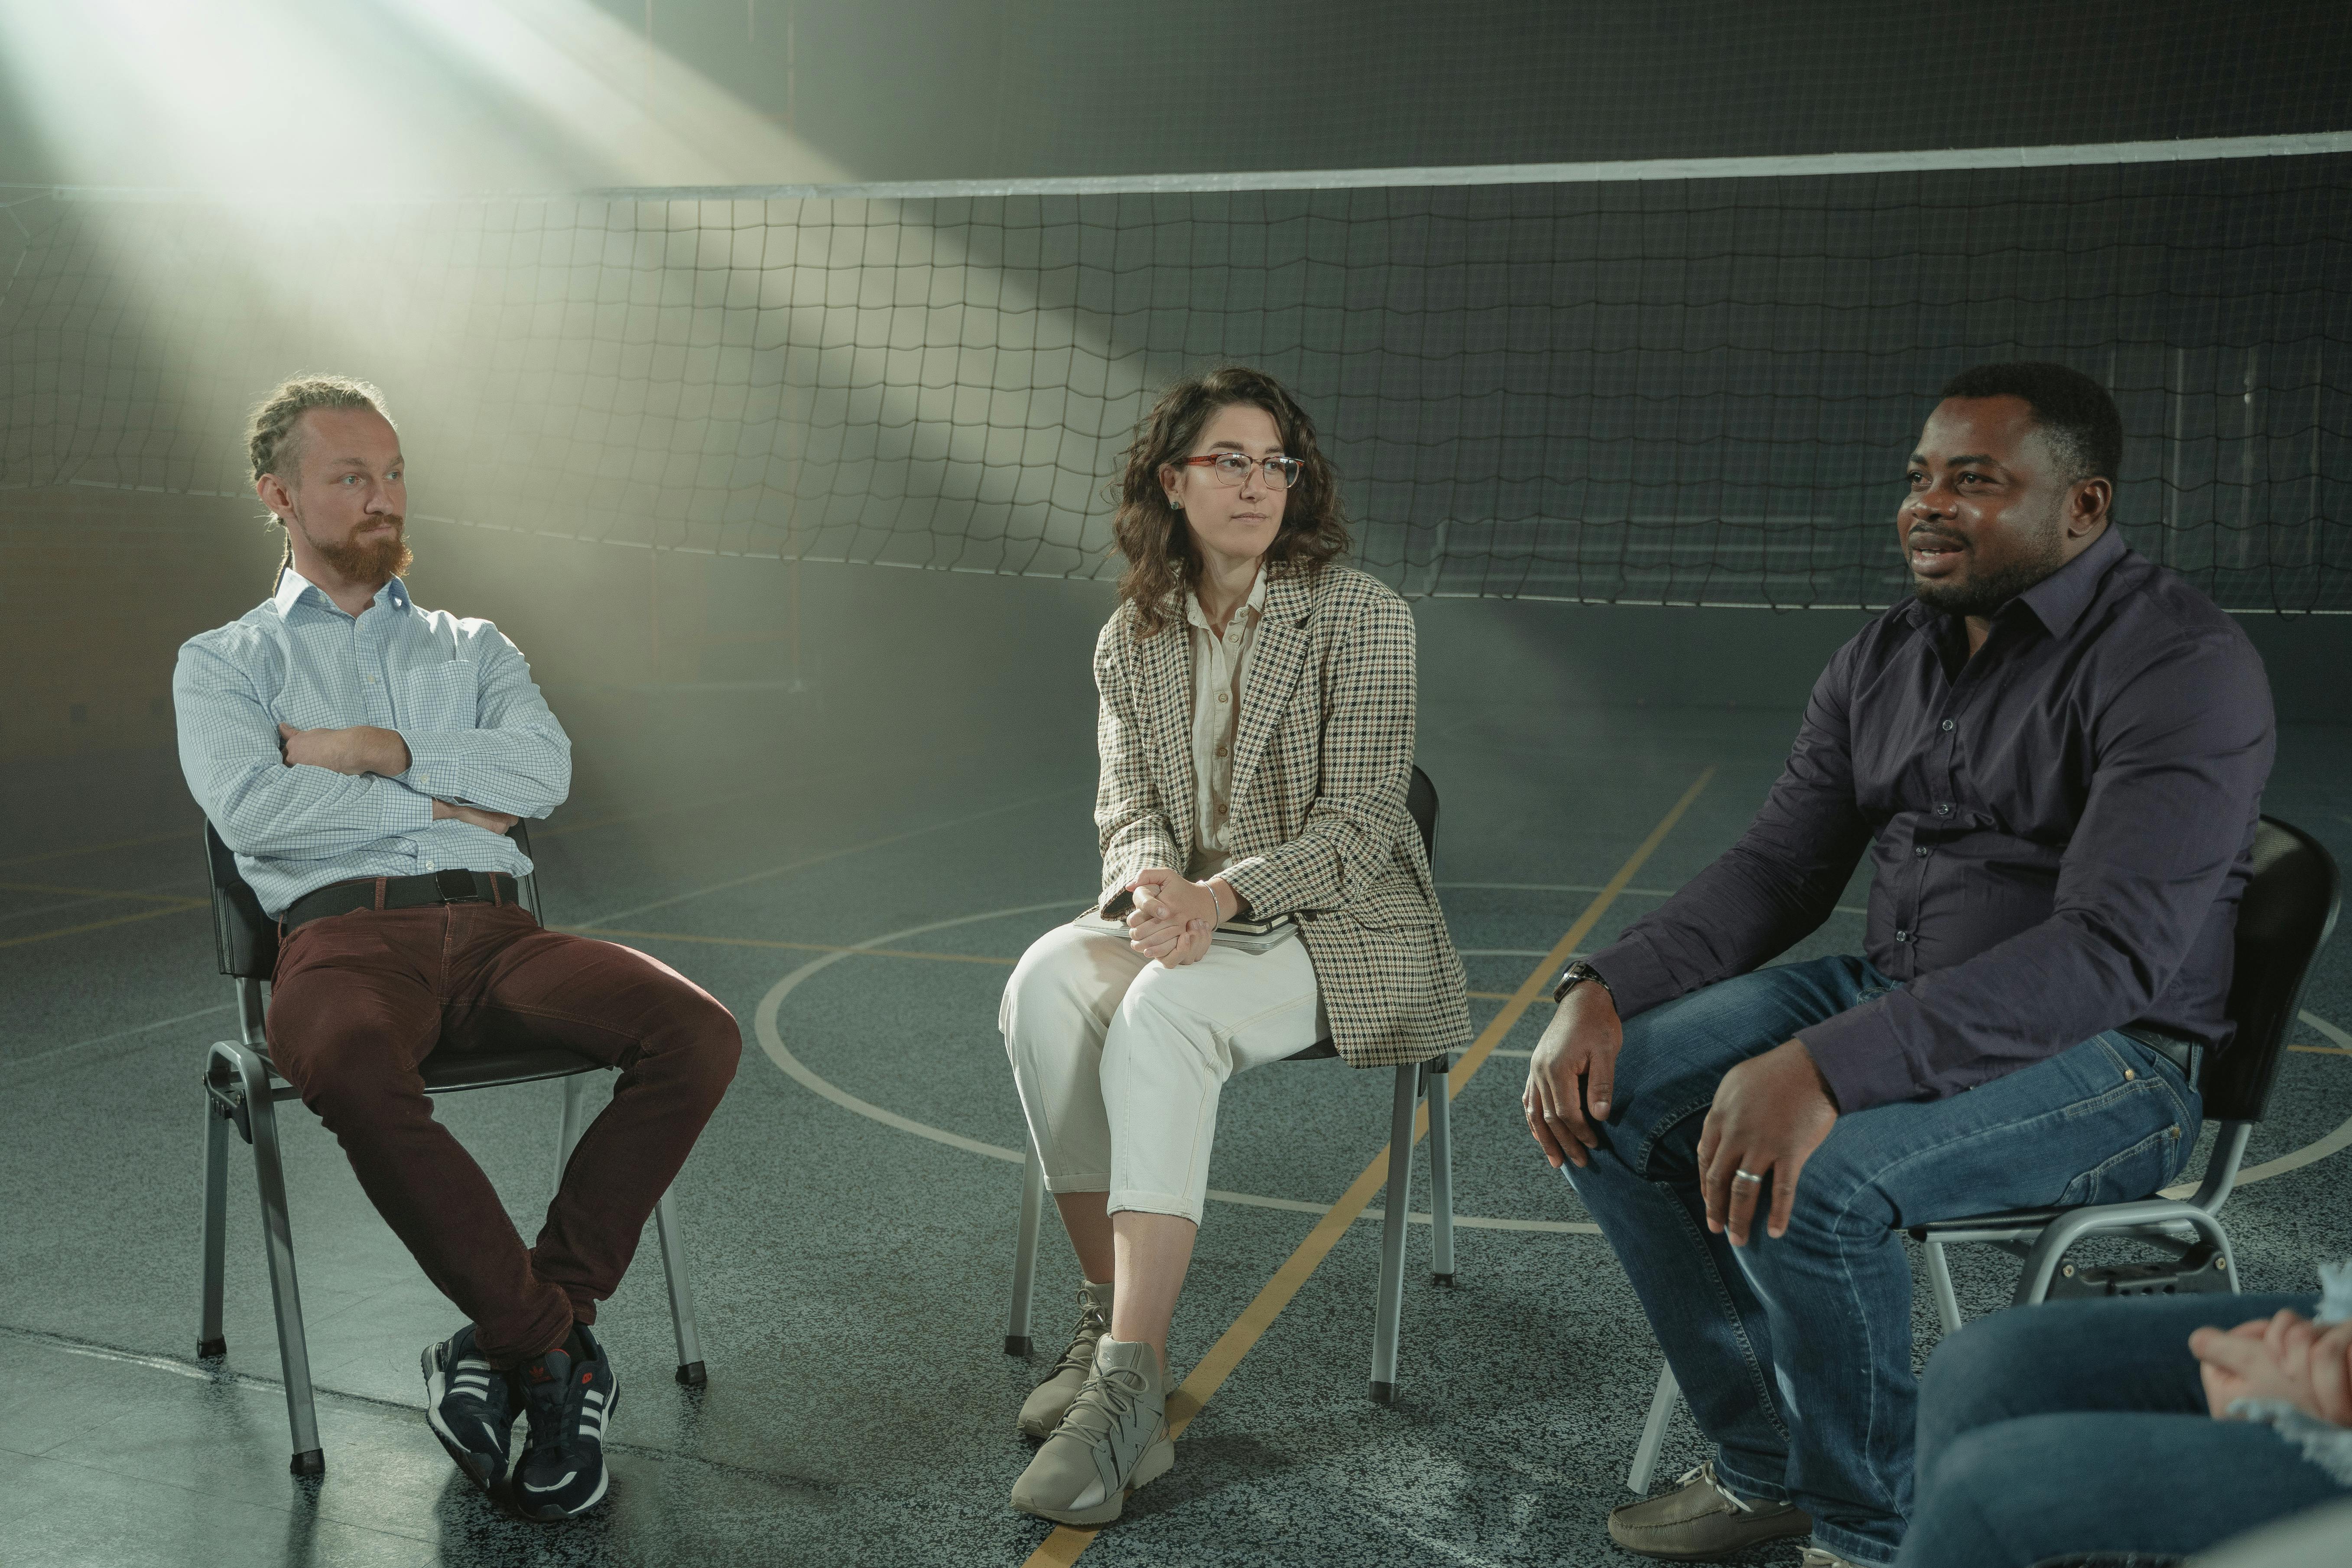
point(516, 759)
point(229, 751)
point(2182, 754)
point(1775, 885)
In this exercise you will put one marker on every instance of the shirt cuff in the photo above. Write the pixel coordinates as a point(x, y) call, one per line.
point(435, 762)
point(1861, 1057)
point(1637, 982)
point(405, 810)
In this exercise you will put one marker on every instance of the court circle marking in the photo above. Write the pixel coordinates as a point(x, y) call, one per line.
point(772, 1041)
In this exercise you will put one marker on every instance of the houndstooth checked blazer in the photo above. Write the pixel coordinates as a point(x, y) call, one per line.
point(1322, 754)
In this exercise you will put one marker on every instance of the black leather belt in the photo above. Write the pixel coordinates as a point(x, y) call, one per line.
point(400, 893)
point(2186, 1055)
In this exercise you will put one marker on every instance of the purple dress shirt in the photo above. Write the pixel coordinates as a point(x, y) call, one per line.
point(2060, 829)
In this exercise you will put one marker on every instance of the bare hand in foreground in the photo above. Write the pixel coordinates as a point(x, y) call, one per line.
point(1174, 918)
point(2285, 1357)
point(488, 821)
point(362, 749)
point(1582, 1042)
point(1771, 1112)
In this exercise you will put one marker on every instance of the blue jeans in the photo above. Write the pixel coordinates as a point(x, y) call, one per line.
point(1795, 1355)
point(2081, 1426)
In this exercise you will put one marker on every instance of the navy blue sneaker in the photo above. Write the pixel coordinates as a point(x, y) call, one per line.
point(569, 1398)
point(471, 1407)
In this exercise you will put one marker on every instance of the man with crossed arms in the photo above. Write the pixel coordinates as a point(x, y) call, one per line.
point(2054, 753)
point(364, 758)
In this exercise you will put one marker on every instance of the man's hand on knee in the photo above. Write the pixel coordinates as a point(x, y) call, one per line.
point(1572, 1073)
point(362, 749)
point(1771, 1112)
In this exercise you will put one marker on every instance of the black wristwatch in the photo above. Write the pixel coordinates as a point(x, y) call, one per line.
point(1576, 975)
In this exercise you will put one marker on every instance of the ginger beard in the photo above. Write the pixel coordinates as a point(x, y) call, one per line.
point(380, 556)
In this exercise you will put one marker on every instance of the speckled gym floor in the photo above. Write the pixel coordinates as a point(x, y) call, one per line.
point(851, 1273)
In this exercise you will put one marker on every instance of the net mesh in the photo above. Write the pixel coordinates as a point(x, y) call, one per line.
point(1669, 391)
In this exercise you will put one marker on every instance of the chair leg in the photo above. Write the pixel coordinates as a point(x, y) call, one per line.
point(1939, 1277)
point(1441, 1172)
point(575, 1123)
point(1653, 1433)
point(672, 1237)
point(1025, 1254)
point(1390, 1309)
point(286, 1295)
point(210, 1341)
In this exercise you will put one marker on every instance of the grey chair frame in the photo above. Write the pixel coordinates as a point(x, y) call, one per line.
point(1416, 1081)
point(2287, 915)
point(242, 1089)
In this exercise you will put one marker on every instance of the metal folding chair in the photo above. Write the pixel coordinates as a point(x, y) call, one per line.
point(242, 1089)
point(2285, 917)
point(1416, 1081)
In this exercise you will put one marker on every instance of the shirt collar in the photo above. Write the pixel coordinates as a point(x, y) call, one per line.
point(1255, 604)
point(292, 585)
point(2059, 600)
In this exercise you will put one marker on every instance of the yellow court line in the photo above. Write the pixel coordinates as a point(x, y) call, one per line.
point(97, 925)
point(180, 899)
point(2323, 1050)
point(94, 849)
point(792, 946)
point(1489, 996)
point(1209, 1374)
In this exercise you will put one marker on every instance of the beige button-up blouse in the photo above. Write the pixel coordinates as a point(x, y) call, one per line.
point(1219, 666)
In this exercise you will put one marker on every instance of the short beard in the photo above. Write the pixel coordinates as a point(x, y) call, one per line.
point(1980, 596)
point(375, 562)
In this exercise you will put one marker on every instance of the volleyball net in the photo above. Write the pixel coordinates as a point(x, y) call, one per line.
point(1682, 383)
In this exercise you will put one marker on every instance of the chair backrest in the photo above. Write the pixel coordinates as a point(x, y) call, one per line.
point(1421, 805)
point(2288, 913)
point(245, 939)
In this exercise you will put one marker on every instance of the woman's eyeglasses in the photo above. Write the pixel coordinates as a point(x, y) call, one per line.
point(1232, 468)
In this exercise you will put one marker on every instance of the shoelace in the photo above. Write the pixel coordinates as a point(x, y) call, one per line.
point(1818, 1557)
point(1704, 1471)
point(1092, 1326)
point(1104, 1404)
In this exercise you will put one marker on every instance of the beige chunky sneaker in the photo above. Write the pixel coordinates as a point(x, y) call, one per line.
point(1051, 1400)
point(1701, 1519)
point(1113, 1440)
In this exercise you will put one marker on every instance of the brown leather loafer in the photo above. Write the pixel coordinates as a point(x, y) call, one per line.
point(1701, 1520)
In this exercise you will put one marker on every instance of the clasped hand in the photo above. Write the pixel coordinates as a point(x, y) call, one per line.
point(1173, 919)
point(370, 749)
point(1771, 1112)
point(2286, 1357)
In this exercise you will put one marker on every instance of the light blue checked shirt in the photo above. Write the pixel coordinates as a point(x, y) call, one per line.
point(456, 691)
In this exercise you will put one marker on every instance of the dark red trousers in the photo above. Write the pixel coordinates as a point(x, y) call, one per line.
point(359, 1000)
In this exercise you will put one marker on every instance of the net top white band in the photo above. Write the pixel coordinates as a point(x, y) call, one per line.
point(1790, 166)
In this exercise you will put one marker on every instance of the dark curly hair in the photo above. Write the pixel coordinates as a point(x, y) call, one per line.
point(1160, 561)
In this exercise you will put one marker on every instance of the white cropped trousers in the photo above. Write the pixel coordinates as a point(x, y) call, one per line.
point(1119, 1059)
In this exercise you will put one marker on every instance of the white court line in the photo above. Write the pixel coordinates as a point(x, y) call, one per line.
point(118, 1035)
point(819, 859)
point(772, 1041)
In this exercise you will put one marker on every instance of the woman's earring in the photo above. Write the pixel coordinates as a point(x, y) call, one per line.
point(1176, 501)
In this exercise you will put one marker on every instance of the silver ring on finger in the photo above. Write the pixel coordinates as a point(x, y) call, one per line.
point(1745, 1176)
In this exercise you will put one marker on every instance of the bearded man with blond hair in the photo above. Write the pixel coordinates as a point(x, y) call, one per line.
point(364, 758)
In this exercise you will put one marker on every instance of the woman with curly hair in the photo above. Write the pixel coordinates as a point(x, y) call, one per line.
point(1256, 737)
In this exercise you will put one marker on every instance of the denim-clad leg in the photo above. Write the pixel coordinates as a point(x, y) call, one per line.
point(1795, 1354)
point(2069, 1428)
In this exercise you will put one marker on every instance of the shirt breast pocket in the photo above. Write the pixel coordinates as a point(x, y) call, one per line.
point(440, 697)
